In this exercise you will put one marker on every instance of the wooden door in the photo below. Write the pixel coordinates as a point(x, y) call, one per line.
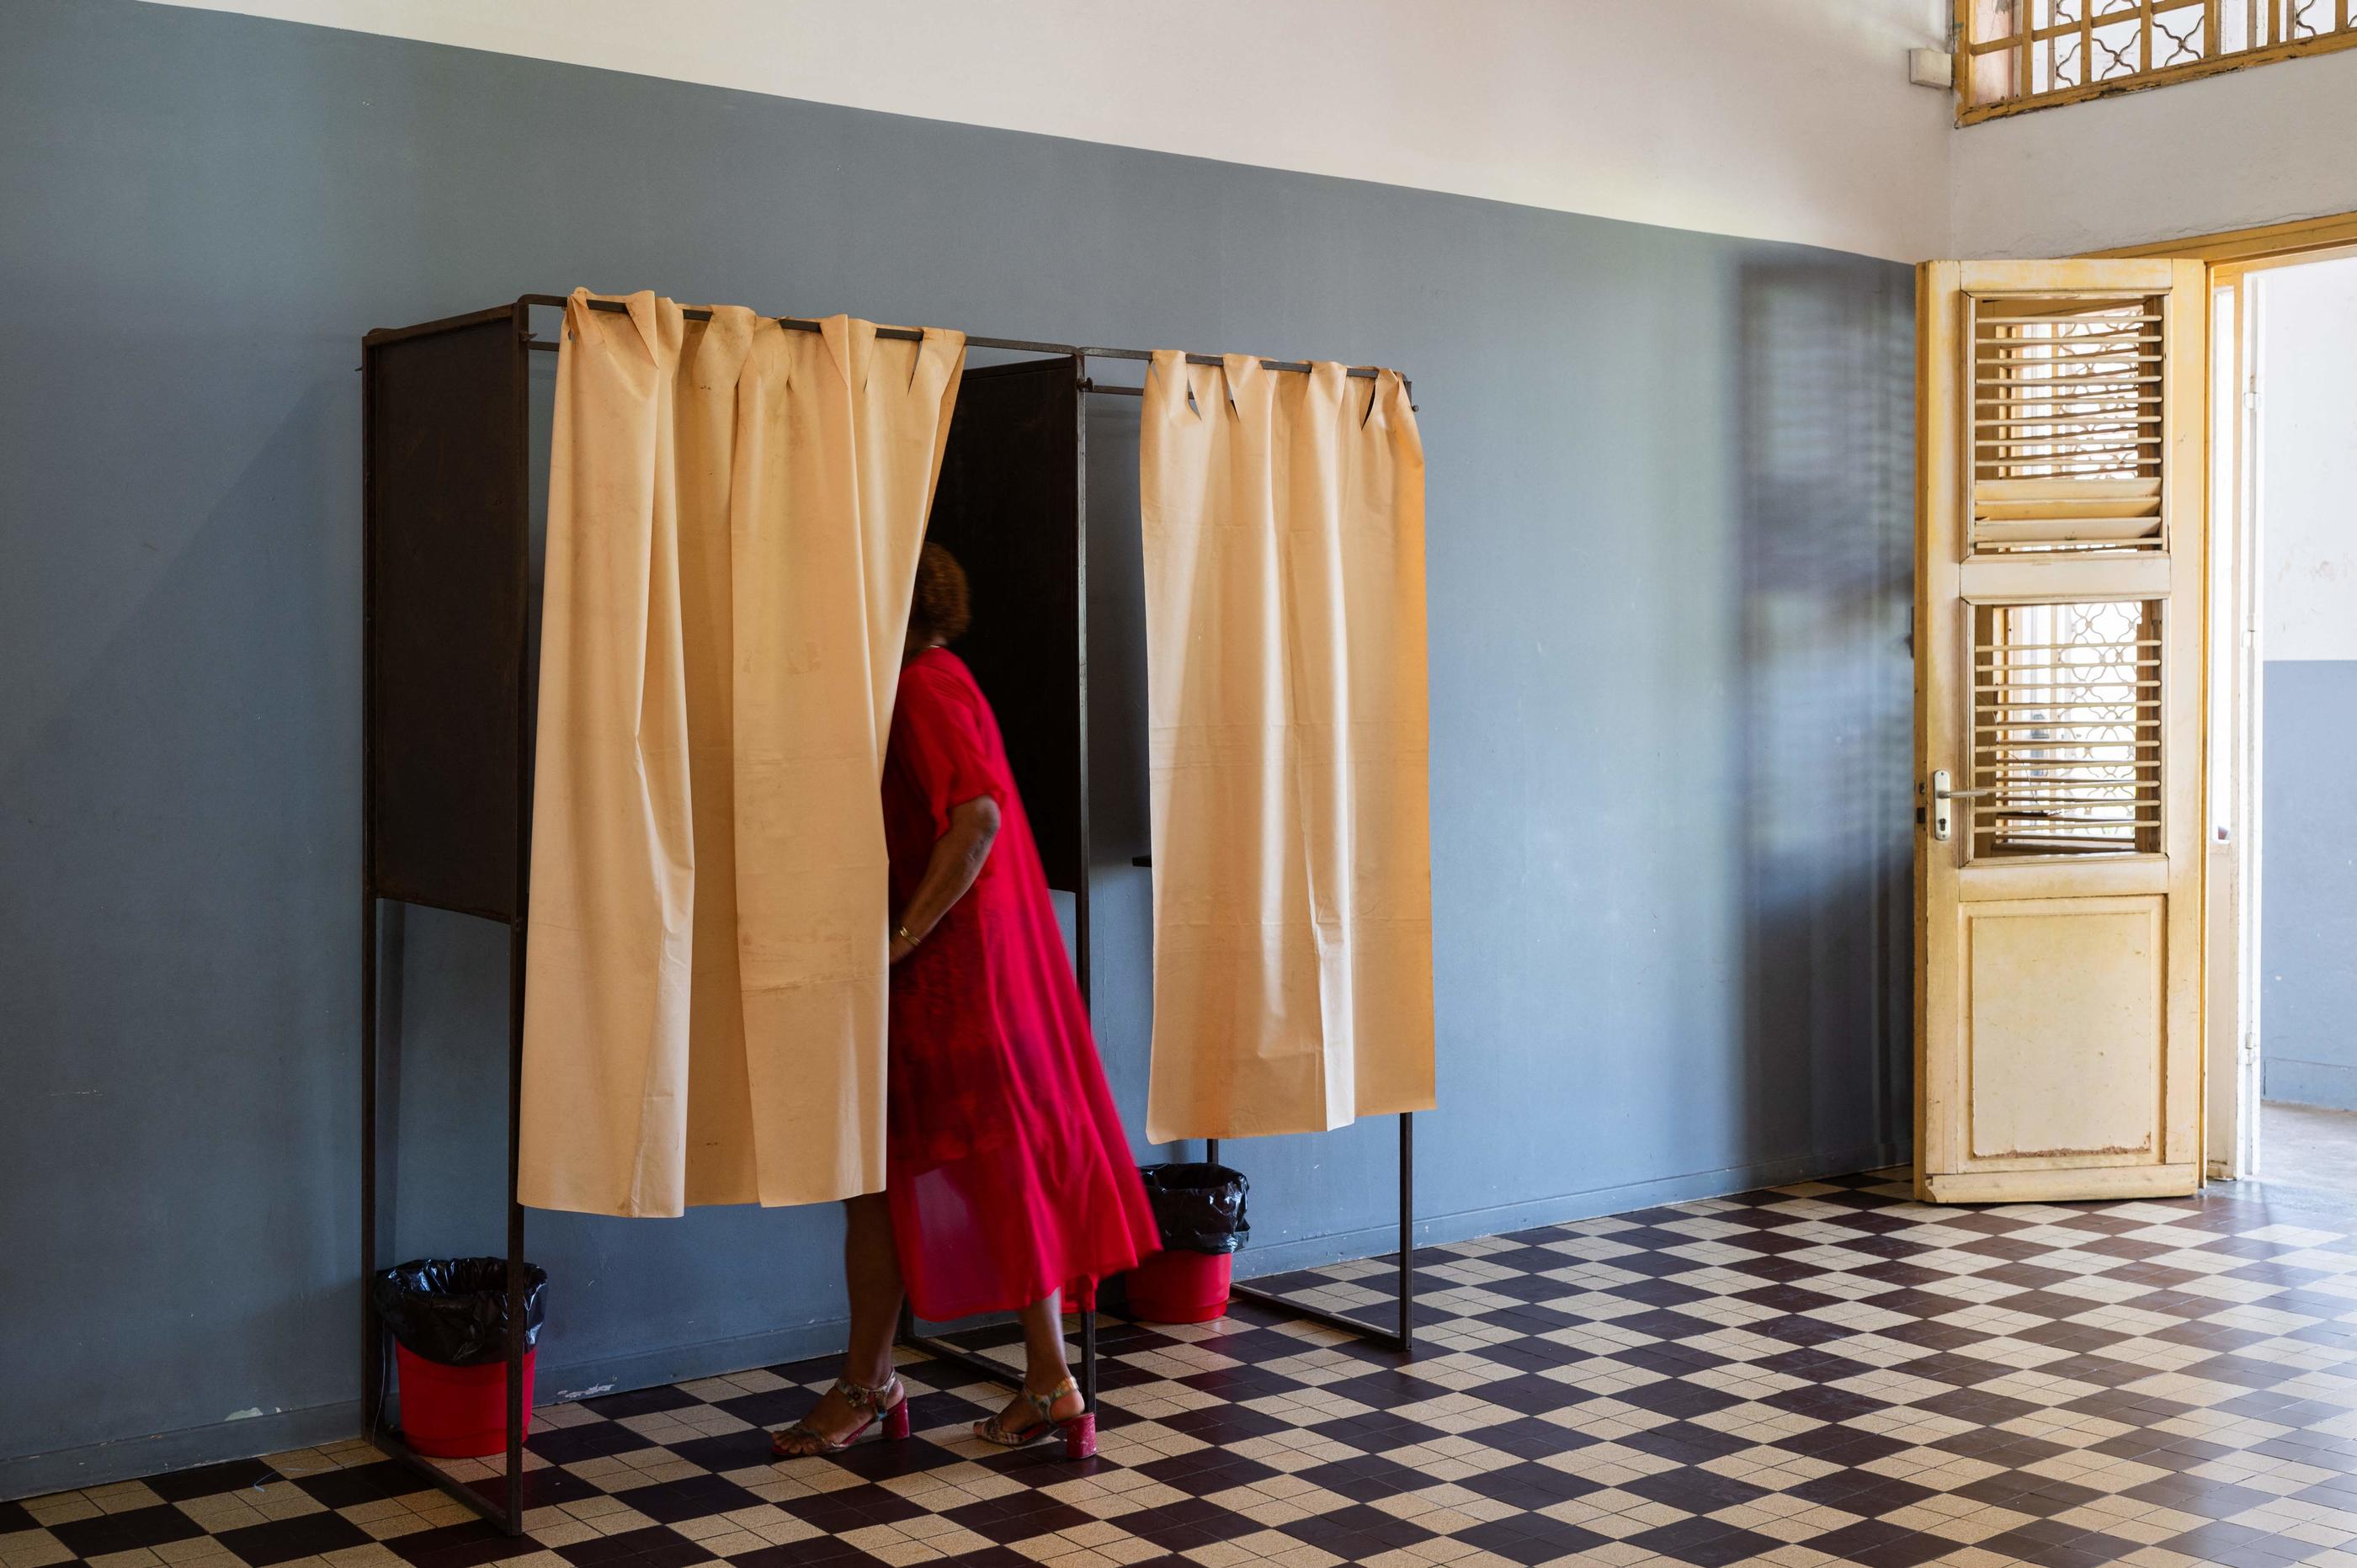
point(2058, 722)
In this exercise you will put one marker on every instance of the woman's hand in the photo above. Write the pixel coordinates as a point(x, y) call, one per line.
point(957, 859)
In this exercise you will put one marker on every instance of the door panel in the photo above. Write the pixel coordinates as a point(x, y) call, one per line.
point(2058, 723)
point(2087, 970)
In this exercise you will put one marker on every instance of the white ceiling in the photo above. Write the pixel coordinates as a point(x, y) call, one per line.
point(1770, 119)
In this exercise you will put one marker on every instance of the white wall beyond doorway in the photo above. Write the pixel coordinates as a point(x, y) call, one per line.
point(2307, 370)
point(2306, 502)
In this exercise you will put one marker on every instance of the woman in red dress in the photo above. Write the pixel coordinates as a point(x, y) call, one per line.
point(1008, 1172)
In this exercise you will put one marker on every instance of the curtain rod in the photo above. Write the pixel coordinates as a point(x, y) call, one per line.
point(910, 335)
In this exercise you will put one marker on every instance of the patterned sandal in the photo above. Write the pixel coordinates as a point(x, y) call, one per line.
point(802, 1441)
point(1078, 1431)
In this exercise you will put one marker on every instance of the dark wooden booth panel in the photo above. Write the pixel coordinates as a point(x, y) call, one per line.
point(447, 601)
point(1008, 507)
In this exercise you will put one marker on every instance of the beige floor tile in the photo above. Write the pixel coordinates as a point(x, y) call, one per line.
point(32, 1549)
point(122, 1497)
point(732, 1543)
point(371, 1555)
point(139, 1557)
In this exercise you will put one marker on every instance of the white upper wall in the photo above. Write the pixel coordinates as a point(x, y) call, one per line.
point(2308, 460)
point(1770, 119)
point(2233, 151)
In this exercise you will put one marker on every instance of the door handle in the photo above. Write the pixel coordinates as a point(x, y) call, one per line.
point(1942, 819)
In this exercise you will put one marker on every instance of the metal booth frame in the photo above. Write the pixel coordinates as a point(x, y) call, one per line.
point(455, 835)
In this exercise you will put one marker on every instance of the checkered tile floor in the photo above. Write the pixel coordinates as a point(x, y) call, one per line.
point(1826, 1373)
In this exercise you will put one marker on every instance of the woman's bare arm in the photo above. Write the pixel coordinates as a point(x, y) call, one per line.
point(956, 860)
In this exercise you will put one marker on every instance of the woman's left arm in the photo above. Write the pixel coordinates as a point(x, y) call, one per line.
point(955, 862)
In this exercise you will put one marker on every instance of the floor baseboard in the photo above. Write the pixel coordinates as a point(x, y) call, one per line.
point(128, 1458)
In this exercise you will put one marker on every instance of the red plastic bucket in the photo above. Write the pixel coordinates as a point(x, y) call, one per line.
point(1180, 1286)
point(458, 1412)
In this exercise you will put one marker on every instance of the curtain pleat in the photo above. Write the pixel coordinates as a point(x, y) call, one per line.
point(1282, 518)
point(734, 511)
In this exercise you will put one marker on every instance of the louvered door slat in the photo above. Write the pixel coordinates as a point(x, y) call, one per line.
point(2066, 401)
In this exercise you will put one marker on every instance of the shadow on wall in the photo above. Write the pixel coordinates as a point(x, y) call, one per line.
point(1825, 707)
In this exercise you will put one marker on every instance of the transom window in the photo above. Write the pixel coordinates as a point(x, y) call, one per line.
point(2026, 54)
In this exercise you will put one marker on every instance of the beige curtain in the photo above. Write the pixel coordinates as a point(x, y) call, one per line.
point(1284, 531)
point(734, 515)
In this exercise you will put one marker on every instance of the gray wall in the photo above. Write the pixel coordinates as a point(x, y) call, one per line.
point(2307, 899)
point(1669, 560)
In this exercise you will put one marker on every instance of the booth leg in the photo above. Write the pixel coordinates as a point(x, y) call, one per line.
point(513, 1522)
point(1403, 1339)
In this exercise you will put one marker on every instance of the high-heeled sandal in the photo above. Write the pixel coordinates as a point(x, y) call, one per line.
point(858, 1396)
point(1078, 1431)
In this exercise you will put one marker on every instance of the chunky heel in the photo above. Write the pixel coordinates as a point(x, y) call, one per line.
point(1081, 1437)
point(896, 1421)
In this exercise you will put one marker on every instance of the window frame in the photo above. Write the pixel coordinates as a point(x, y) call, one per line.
point(2279, 16)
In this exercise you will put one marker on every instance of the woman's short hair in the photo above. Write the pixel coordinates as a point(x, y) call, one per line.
point(939, 609)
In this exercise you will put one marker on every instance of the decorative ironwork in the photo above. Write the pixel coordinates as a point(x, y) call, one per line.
point(2066, 730)
point(2026, 54)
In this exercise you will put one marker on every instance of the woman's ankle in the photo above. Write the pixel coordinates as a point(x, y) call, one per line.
point(867, 1375)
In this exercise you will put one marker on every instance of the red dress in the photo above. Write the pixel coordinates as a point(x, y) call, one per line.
point(1008, 1171)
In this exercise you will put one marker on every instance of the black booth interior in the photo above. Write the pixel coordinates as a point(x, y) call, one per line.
point(1009, 506)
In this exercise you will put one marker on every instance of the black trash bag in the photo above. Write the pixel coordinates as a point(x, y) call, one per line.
point(455, 1310)
point(1199, 1207)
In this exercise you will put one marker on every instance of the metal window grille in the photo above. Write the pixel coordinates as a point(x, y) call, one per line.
point(2066, 728)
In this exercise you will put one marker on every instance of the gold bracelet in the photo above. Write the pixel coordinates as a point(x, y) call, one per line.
point(904, 934)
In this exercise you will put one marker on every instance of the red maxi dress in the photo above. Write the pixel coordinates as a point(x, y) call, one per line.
point(1008, 1172)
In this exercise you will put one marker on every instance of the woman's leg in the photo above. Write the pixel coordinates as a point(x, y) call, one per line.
point(871, 1270)
point(1044, 1369)
point(871, 1267)
point(1043, 1343)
